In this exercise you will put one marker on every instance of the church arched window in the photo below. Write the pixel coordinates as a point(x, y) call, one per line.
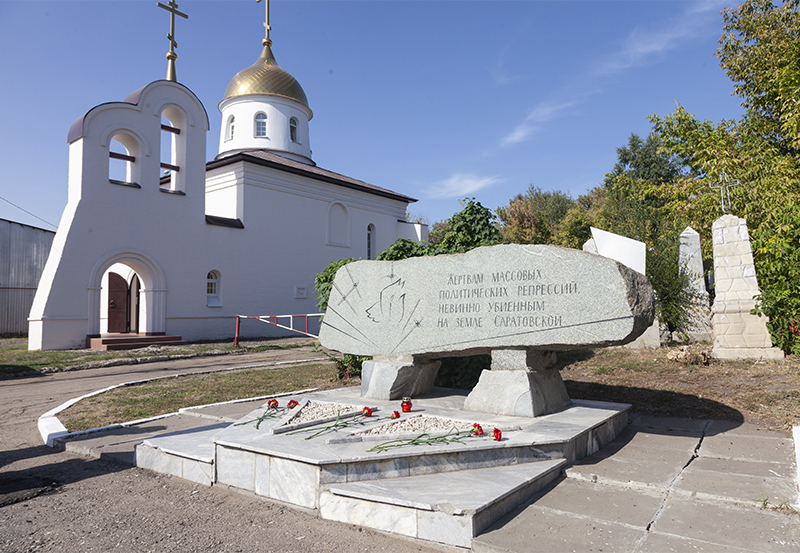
point(260, 129)
point(229, 128)
point(213, 297)
point(293, 130)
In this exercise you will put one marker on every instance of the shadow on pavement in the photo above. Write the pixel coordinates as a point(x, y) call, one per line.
point(658, 403)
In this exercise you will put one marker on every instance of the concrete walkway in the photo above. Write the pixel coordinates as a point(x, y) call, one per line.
point(665, 485)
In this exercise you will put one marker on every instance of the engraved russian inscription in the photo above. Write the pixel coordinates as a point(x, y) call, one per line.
point(499, 296)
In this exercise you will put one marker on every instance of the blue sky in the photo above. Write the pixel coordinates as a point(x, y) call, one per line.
point(438, 100)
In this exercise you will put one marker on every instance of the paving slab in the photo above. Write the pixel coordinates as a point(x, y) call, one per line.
point(640, 468)
point(764, 446)
point(635, 441)
point(654, 542)
point(605, 503)
point(676, 424)
point(539, 529)
point(743, 526)
point(735, 480)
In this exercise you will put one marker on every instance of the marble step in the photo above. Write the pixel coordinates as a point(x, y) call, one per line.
point(187, 454)
point(449, 508)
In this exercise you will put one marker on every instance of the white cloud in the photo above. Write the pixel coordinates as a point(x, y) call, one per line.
point(642, 45)
point(460, 185)
point(637, 49)
point(545, 111)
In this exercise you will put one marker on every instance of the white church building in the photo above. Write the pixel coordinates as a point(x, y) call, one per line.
point(156, 241)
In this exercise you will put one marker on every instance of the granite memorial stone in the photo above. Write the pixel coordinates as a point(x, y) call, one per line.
point(516, 302)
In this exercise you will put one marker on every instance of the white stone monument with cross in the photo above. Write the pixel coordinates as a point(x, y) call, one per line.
point(738, 334)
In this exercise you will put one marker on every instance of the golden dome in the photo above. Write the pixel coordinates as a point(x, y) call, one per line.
point(265, 76)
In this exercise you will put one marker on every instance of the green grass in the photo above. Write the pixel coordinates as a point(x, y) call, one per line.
point(16, 359)
point(603, 370)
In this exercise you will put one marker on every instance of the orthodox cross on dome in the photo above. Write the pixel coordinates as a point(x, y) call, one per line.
point(171, 55)
point(725, 186)
point(267, 28)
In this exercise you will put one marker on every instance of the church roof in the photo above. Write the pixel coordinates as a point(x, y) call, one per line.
point(265, 76)
point(268, 159)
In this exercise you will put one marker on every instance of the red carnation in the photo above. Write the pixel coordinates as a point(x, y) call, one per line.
point(292, 404)
point(395, 415)
point(497, 434)
point(272, 404)
point(367, 412)
point(477, 429)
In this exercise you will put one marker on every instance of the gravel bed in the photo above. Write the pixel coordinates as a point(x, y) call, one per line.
point(416, 424)
point(314, 410)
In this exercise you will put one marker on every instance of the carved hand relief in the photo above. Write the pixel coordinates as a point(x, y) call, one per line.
point(500, 296)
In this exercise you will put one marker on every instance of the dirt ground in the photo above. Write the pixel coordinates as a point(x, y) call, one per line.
point(764, 393)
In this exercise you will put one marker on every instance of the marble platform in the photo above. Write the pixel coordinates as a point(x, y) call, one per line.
point(445, 493)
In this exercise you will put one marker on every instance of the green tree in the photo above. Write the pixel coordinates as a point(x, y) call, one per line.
point(470, 228)
point(644, 161)
point(586, 212)
point(760, 52)
point(535, 217)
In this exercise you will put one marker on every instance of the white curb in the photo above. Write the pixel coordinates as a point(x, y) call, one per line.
point(51, 429)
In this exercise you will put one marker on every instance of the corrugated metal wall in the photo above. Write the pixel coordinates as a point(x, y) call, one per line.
point(23, 253)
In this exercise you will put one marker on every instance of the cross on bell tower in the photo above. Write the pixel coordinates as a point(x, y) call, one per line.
point(171, 55)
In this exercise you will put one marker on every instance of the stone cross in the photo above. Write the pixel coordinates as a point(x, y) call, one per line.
point(519, 303)
point(724, 186)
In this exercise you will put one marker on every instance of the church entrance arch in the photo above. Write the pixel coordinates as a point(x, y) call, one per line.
point(134, 298)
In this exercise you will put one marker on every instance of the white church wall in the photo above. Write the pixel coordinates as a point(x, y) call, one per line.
point(223, 196)
point(283, 245)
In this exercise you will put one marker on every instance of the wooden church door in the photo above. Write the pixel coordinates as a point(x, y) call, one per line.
point(117, 303)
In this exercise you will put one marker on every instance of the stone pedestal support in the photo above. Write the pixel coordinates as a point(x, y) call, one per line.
point(396, 377)
point(520, 383)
